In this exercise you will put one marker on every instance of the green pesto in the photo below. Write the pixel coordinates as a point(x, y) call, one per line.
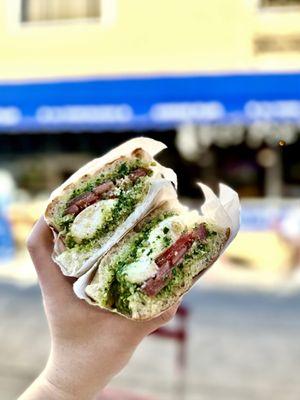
point(124, 169)
point(122, 292)
point(120, 289)
point(180, 275)
point(65, 222)
point(167, 240)
point(140, 242)
point(127, 201)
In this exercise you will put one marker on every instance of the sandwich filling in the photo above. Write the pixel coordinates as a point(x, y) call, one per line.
point(156, 263)
point(93, 211)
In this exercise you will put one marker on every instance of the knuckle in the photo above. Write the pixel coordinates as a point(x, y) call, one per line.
point(167, 316)
point(30, 243)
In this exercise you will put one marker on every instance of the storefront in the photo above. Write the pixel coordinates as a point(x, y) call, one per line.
point(237, 128)
point(214, 88)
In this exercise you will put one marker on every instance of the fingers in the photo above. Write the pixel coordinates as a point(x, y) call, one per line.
point(162, 319)
point(40, 247)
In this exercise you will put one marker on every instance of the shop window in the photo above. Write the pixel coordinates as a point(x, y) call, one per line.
point(56, 10)
point(280, 3)
point(276, 44)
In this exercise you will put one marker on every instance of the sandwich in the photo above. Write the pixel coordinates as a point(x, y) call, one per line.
point(97, 205)
point(151, 268)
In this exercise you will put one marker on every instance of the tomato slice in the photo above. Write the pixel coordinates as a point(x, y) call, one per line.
point(170, 258)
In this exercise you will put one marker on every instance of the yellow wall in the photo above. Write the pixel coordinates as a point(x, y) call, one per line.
point(157, 36)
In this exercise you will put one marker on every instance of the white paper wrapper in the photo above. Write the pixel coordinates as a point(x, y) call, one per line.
point(223, 211)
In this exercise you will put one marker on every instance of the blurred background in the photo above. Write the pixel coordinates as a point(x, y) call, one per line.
point(217, 81)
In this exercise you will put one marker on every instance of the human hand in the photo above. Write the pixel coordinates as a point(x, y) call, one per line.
point(88, 345)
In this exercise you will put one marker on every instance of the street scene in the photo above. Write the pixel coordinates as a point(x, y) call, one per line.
point(217, 85)
point(242, 344)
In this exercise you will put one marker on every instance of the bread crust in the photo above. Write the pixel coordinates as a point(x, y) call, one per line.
point(214, 259)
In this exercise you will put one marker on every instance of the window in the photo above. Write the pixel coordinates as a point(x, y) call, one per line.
point(280, 3)
point(55, 10)
point(276, 44)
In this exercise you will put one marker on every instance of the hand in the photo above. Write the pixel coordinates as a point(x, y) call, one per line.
point(88, 345)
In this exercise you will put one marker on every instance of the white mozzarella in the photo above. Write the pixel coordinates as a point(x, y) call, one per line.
point(145, 267)
point(175, 227)
point(87, 222)
point(141, 270)
point(191, 218)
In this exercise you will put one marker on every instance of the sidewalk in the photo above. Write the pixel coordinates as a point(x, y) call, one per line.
point(243, 344)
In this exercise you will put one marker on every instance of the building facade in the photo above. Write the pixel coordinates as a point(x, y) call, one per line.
point(85, 38)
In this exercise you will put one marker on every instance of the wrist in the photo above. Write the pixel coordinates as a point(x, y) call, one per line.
point(56, 389)
point(67, 382)
point(44, 389)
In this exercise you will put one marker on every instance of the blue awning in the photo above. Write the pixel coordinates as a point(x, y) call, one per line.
point(148, 102)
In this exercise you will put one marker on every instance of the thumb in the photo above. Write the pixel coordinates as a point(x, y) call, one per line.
point(40, 247)
point(163, 318)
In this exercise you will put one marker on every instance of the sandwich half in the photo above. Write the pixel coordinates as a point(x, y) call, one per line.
point(95, 208)
point(156, 263)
